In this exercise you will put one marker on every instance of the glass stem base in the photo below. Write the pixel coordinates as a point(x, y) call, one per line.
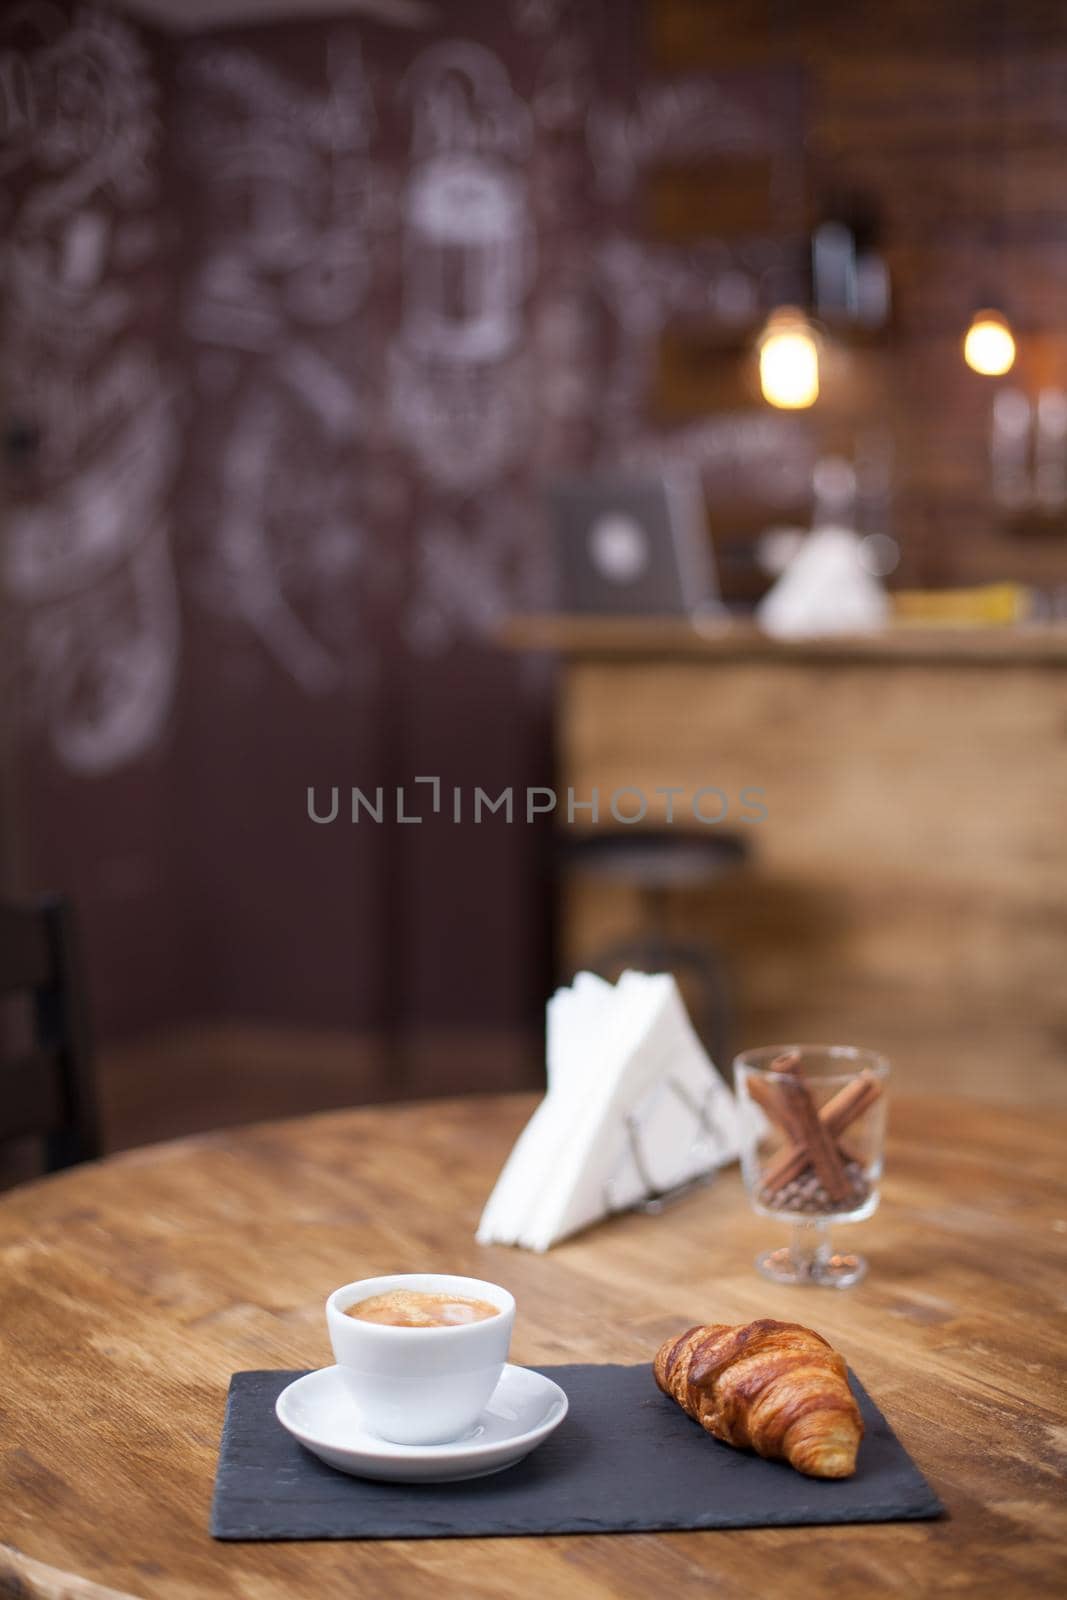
point(809, 1260)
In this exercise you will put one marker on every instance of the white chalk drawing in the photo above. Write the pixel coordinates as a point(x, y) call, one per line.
point(683, 119)
point(644, 287)
point(468, 261)
point(537, 17)
point(94, 520)
point(465, 424)
point(461, 99)
point(564, 337)
point(290, 186)
point(465, 267)
point(565, 85)
point(473, 569)
point(108, 661)
point(763, 457)
point(87, 568)
point(294, 201)
point(285, 536)
point(739, 455)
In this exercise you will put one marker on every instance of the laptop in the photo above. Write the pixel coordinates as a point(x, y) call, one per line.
point(636, 546)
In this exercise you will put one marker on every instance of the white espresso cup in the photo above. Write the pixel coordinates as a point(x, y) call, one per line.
point(420, 1385)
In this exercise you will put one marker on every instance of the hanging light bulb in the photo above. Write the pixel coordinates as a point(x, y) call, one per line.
point(989, 346)
point(789, 360)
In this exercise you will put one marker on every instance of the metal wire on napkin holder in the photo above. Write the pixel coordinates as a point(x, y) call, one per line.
point(707, 1142)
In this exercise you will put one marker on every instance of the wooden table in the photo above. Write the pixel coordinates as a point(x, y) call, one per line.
point(132, 1289)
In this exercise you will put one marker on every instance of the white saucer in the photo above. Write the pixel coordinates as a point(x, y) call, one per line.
point(524, 1409)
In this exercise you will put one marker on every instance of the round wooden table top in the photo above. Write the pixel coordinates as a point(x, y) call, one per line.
point(133, 1288)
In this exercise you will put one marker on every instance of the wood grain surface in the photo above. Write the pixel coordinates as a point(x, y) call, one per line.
point(591, 637)
point(132, 1289)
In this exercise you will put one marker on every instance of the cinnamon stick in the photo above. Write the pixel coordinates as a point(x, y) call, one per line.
point(764, 1096)
point(778, 1103)
point(836, 1115)
point(812, 1135)
point(789, 1102)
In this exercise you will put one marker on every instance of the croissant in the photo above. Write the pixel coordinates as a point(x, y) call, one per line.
point(774, 1387)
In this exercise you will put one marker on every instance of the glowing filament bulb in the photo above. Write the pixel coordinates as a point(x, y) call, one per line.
point(989, 347)
point(789, 361)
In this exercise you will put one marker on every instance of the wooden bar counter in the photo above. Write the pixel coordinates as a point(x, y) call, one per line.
point(908, 887)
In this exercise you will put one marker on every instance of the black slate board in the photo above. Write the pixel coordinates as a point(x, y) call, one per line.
point(625, 1460)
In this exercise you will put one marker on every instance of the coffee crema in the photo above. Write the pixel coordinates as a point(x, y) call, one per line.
point(408, 1308)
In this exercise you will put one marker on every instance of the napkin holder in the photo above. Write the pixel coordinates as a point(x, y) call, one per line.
point(635, 1115)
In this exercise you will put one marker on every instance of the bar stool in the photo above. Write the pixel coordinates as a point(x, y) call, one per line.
point(659, 864)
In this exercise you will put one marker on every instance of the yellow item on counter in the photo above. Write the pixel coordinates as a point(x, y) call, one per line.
point(987, 603)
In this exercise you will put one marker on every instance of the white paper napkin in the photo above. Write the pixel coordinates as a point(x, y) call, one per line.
point(824, 590)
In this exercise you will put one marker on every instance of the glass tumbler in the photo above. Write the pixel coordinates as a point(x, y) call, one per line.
point(812, 1120)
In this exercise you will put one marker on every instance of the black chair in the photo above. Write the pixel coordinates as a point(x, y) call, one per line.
point(658, 865)
point(46, 1078)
